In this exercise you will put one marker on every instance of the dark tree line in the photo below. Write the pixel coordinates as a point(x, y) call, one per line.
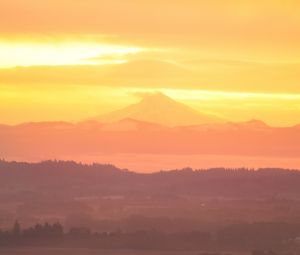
point(70, 177)
point(39, 234)
point(54, 235)
point(258, 237)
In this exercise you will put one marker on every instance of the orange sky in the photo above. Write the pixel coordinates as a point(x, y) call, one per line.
point(70, 60)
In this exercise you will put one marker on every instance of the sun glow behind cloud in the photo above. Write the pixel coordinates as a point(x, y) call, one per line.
point(15, 54)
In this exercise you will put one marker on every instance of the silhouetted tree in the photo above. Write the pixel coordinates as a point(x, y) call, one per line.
point(16, 231)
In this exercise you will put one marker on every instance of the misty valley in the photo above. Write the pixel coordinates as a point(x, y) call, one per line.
point(63, 205)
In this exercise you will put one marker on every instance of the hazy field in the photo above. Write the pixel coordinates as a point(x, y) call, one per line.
point(37, 251)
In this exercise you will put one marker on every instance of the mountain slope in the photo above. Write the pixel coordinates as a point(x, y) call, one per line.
point(161, 109)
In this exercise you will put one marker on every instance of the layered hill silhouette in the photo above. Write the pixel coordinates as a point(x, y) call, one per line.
point(161, 109)
point(157, 125)
point(77, 179)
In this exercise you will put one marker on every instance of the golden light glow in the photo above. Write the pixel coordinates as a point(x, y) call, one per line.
point(15, 54)
point(238, 59)
point(78, 102)
point(238, 106)
point(192, 94)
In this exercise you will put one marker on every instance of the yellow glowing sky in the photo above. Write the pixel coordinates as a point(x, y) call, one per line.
point(70, 60)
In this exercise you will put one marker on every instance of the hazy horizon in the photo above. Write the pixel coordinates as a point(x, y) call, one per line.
point(109, 110)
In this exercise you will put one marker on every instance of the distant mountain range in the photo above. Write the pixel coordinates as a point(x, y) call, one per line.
point(157, 125)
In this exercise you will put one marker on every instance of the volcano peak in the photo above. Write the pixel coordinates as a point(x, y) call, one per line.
point(161, 109)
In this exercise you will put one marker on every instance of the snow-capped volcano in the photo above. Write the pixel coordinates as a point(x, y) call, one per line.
point(161, 109)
